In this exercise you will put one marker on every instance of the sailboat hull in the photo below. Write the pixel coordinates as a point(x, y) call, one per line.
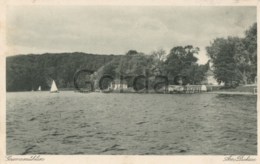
point(54, 91)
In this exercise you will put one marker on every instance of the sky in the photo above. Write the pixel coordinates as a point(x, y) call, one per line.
point(117, 29)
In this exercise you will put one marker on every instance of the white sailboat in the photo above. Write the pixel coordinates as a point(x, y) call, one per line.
point(54, 88)
point(40, 88)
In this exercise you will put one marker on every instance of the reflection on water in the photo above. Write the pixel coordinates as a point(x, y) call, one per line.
point(96, 123)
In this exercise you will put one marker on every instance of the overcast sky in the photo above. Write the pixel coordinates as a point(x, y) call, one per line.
point(117, 29)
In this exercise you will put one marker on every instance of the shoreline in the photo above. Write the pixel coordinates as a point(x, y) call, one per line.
point(210, 92)
point(231, 93)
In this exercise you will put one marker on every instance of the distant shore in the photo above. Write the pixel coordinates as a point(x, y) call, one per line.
point(125, 92)
point(240, 90)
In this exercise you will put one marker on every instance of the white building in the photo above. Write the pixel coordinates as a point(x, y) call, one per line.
point(210, 80)
point(117, 85)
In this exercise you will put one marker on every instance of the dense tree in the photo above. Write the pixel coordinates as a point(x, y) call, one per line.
point(131, 52)
point(158, 58)
point(250, 43)
point(235, 59)
point(222, 52)
point(127, 67)
point(181, 61)
point(27, 72)
point(159, 55)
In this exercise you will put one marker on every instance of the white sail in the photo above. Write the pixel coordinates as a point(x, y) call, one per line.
point(54, 87)
point(40, 88)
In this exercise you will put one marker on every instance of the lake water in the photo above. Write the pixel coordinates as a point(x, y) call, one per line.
point(131, 124)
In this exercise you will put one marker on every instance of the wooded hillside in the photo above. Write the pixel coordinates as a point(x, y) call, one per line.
point(28, 72)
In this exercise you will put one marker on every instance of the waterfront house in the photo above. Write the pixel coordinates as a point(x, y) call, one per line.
point(210, 80)
point(117, 85)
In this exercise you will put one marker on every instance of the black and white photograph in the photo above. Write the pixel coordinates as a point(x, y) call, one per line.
point(131, 80)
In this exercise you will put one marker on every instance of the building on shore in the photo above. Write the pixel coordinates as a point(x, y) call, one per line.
point(117, 85)
point(210, 80)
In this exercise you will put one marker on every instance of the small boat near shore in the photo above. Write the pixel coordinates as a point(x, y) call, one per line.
point(54, 88)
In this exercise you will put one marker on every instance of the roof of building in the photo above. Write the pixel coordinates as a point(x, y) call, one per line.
point(209, 73)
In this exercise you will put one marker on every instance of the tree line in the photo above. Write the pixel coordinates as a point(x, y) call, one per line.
point(28, 72)
point(180, 62)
